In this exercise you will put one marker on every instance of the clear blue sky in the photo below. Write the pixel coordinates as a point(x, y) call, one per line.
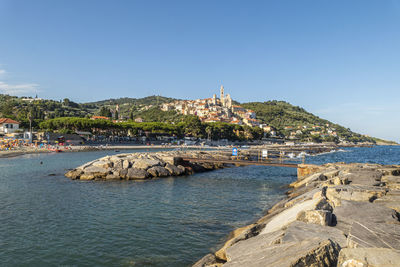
point(337, 59)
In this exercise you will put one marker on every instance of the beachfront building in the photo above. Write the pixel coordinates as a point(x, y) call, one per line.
point(8, 126)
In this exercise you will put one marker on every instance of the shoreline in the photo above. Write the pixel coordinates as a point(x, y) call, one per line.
point(20, 152)
point(85, 148)
point(320, 222)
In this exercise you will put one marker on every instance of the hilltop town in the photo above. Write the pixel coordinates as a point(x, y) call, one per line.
point(215, 110)
point(212, 118)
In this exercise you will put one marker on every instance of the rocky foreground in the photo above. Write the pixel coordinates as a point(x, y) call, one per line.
point(142, 166)
point(339, 214)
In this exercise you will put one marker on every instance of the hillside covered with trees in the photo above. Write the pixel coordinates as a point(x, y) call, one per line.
point(65, 115)
point(287, 118)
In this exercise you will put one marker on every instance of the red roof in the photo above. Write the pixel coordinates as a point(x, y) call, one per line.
point(7, 120)
point(100, 117)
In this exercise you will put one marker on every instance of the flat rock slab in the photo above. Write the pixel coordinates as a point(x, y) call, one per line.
point(252, 245)
point(362, 212)
point(364, 257)
point(298, 231)
point(374, 235)
point(354, 193)
point(290, 215)
point(310, 252)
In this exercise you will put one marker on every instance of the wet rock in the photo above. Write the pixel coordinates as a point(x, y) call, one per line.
point(365, 257)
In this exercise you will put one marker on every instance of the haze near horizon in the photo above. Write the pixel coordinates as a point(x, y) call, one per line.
point(338, 60)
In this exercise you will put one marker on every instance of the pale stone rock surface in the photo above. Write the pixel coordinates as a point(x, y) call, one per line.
point(354, 193)
point(374, 235)
point(158, 171)
point(321, 217)
point(146, 164)
point(310, 252)
point(368, 257)
point(352, 211)
point(134, 174)
point(298, 231)
point(174, 170)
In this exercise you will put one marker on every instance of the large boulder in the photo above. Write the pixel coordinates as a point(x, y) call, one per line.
point(321, 217)
point(93, 172)
point(174, 170)
point(102, 164)
point(237, 235)
point(145, 164)
point(365, 257)
point(158, 171)
point(312, 252)
point(289, 215)
point(254, 244)
point(125, 164)
point(298, 231)
point(304, 170)
point(74, 174)
point(136, 174)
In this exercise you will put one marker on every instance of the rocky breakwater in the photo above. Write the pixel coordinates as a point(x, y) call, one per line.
point(141, 166)
point(338, 214)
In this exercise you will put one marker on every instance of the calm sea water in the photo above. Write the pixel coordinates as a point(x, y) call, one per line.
point(51, 220)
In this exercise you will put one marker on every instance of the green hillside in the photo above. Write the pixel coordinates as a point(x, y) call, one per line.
point(289, 121)
point(286, 118)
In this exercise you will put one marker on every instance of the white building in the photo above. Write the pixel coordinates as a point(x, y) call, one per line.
point(8, 125)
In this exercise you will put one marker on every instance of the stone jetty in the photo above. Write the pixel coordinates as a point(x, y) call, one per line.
point(142, 166)
point(336, 214)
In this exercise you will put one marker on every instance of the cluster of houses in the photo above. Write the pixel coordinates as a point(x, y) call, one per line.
point(314, 130)
point(215, 110)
